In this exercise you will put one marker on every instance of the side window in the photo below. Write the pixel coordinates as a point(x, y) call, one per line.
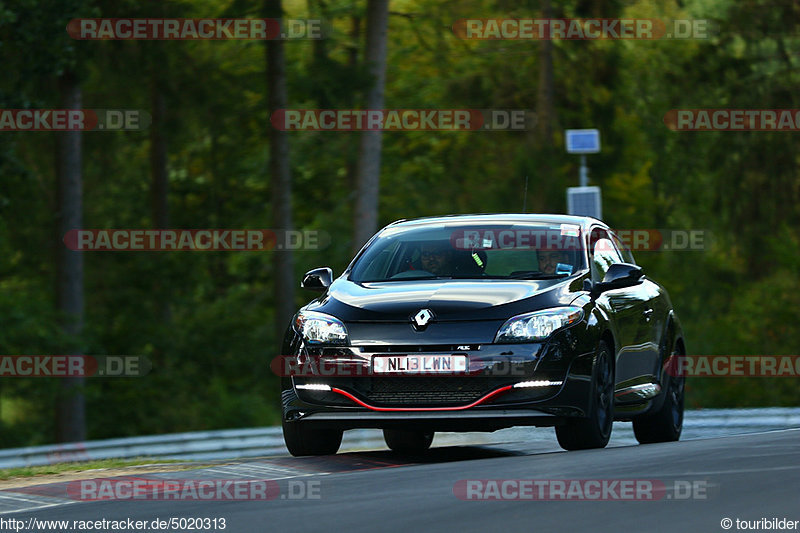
point(624, 251)
point(603, 253)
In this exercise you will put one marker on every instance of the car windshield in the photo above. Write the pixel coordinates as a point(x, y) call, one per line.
point(494, 251)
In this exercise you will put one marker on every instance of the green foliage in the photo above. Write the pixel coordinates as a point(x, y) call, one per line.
point(205, 319)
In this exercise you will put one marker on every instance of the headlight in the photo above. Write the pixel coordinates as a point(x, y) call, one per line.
point(319, 328)
point(538, 325)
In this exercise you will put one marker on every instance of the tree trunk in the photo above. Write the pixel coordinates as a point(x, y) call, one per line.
point(280, 180)
point(159, 185)
point(545, 105)
point(351, 156)
point(544, 179)
point(319, 54)
point(158, 159)
point(70, 408)
point(369, 158)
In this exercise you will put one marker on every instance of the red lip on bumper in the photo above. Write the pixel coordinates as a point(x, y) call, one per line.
point(479, 401)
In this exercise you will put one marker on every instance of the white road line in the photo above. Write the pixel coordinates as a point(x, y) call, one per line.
point(228, 473)
point(22, 510)
point(17, 496)
point(267, 468)
point(739, 471)
point(252, 469)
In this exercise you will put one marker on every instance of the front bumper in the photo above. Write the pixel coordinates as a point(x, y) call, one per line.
point(507, 385)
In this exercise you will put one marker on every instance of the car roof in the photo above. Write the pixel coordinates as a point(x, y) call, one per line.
point(500, 218)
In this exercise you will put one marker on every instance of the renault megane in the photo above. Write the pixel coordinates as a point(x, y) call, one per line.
point(482, 322)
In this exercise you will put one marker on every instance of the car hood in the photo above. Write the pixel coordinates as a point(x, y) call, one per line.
point(448, 299)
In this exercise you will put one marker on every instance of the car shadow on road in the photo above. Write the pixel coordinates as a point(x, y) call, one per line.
point(369, 460)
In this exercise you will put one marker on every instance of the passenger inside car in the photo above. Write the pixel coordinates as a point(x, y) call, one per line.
point(440, 259)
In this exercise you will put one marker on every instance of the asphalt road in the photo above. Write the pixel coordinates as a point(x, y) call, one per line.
point(746, 477)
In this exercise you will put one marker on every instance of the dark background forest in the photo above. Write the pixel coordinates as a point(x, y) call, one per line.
point(208, 322)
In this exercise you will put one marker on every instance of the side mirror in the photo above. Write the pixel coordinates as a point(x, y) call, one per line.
point(318, 279)
point(618, 276)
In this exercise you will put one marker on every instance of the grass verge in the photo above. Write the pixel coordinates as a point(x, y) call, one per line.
point(102, 464)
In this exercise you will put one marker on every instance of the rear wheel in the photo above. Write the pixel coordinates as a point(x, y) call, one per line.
point(302, 439)
point(405, 441)
point(666, 424)
point(594, 430)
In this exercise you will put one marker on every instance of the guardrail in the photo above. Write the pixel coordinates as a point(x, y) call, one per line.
point(268, 441)
point(203, 445)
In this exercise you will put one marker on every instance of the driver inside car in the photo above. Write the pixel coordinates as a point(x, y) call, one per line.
point(550, 259)
point(436, 259)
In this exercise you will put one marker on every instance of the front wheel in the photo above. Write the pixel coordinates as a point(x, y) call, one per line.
point(405, 441)
point(303, 439)
point(594, 431)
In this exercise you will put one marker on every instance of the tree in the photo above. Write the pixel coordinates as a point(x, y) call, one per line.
point(280, 178)
point(70, 410)
point(369, 158)
point(545, 103)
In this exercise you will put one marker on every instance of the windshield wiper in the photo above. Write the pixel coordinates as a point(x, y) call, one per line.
point(415, 278)
point(535, 274)
point(527, 275)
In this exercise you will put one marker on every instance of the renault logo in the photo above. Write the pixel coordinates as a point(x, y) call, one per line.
point(422, 318)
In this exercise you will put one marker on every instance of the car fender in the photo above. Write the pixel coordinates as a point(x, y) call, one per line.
point(597, 322)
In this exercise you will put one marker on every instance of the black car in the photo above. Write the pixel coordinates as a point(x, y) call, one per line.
point(482, 322)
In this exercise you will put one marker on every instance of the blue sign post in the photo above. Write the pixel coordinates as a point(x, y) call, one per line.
point(584, 200)
point(583, 142)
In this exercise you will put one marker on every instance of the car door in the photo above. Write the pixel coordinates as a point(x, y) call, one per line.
point(655, 312)
point(628, 308)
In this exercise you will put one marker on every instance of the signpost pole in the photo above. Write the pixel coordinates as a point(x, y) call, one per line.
point(584, 172)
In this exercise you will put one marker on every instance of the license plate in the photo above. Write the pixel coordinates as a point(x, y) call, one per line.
point(404, 364)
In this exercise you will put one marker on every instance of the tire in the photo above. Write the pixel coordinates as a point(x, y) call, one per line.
point(666, 424)
point(407, 442)
point(302, 439)
point(594, 431)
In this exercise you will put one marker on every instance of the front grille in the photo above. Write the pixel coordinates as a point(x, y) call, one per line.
point(419, 348)
point(423, 391)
